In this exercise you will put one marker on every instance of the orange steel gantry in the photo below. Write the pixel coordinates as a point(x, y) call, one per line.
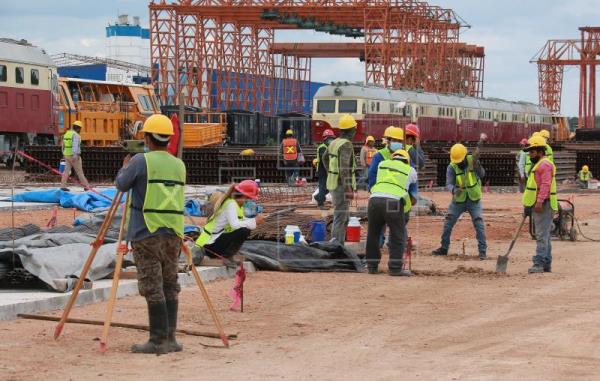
point(219, 54)
point(551, 60)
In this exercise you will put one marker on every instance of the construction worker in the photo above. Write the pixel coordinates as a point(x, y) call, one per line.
point(549, 152)
point(392, 197)
point(463, 179)
point(156, 180)
point(394, 137)
point(522, 160)
point(228, 228)
point(341, 175)
point(71, 148)
point(367, 152)
point(583, 177)
point(539, 200)
point(411, 140)
point(291, 151)
point(328, 136)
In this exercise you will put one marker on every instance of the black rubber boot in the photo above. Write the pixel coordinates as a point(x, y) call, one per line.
point(548, 268)
point(536, 269)
point(157, 343)
point(174, 346)
point(439, 251)
point(373, 269)
point(482, 256)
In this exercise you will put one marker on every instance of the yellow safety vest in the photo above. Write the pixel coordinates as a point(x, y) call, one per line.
point(333, 175)
point(584, 176)
point(530, 194)
point(392, 179)
point(68, 143)
point(385, 152)
point(467, 181)
point(208, 229)
point(165, 196)
point(319, 156)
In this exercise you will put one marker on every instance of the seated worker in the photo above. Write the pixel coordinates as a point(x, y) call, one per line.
point(392, 197)
point(227, 228)
point(583, 177)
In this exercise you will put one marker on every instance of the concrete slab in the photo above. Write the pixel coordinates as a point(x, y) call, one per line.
point(14, 302)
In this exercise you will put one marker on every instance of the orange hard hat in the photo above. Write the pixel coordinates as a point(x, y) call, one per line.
point(248, 188)
point(412, 129)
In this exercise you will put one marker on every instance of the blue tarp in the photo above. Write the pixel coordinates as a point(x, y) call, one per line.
point(87, 201)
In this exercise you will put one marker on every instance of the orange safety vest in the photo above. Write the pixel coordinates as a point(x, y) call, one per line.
point(370, 153)
point(289, 149)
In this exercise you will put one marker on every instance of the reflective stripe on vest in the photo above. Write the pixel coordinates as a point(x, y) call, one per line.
point(333, 172)
point(289, 149)
point(322, 145)
point(392, 179)
point(68, 143)
point(370, 153)
point(207, 231)
point(584, 176)
point(468, 183)
point(530, 194)
point(164, 200)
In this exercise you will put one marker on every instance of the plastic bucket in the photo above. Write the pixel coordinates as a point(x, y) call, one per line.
point(61, 166)
point(318, 231)
point(353, 230)
point(297, 236)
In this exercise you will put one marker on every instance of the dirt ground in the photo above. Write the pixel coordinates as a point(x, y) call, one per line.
point(454, 320)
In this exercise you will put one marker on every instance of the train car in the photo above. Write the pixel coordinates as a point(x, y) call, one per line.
point(440, 117)
point(28, 105)
point(110, 111)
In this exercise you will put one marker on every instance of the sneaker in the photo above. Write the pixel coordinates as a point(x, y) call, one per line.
point(482, 256)
point(536, 269)
point(65, 189)
point(548, 268)
point(399, 272)
point(439, 251)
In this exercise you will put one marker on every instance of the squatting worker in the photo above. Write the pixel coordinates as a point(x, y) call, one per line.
point(341, 175)
point(328, 136)
point(71, 148)
point(391, 199)
point(583, 177)
point(156, 180)
point(412, 146)
point(227, 228)
point(463, 179)
point(540, 195)
point(524, 164)
point(290, 150)
point(367, 152)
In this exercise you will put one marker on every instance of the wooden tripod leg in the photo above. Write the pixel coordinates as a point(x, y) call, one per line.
point(121, 251)
point(204, 293)
point(88, 263)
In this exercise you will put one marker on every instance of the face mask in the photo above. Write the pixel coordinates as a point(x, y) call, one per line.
point(395, 146)
point(250, 209)
point(146, 149)
point(328, 141)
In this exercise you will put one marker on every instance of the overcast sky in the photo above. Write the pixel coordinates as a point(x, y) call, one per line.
point(511, 31)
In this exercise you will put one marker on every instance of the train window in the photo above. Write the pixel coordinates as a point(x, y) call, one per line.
point(2, 73)
point(364, 107)
point(35, 77)
point(144, 102)
point(347, 106)
point(377, 106)
point(326, 106)
point(19, 75)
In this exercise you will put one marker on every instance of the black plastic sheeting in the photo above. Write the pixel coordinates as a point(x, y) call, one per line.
point(319, 256)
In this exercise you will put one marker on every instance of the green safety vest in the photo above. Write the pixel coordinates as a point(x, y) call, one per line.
point(530, 194)
point(208, 229)
point(585, 176)
point(319, 156)
point(165, 198)
point(68, 143)
point(549, 154)
point(386, 153)
point(333, 175)
point(468, 181)
point(392, 179)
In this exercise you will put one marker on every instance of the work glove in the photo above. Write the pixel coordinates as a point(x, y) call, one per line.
point(527, 211)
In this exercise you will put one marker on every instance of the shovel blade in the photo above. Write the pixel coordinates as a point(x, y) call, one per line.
point(502, 264)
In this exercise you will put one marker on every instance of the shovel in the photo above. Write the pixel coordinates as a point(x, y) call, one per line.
point(502, 262)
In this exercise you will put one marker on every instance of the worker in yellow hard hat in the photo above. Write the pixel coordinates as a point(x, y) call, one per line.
point(367, 152)
point(394, 137)
point(340, 162)
point(540, 202)
point(463, 179)
point(549, 152)
point(583, 177)
point(156, 180)
point(292, 157)
point(545, 134)
point(71, 148)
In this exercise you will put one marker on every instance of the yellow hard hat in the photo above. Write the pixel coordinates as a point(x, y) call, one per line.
point(289, 132)
point(247, 152)
point(388, 131)
point(537, 133)
point(535, 142)
point(158, 124)
point(585, 168)
point(394, 133)
point(78, 123)
point(401, 154)
point(545, 134)
point(458, 152)
point(370, 139)
point(347, 122)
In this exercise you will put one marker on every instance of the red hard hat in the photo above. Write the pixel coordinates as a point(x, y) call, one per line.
point(524, 142)
point(412, 129)
point(248, 188)
point(328, 133)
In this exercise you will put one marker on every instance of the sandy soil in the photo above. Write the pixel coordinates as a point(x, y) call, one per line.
point(455, 320)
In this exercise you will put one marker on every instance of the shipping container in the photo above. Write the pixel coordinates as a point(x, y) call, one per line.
point(267, 129)
point(242, 127)
point(299, 123)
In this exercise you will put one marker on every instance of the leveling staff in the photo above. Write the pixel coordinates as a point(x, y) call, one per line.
point(156, 180)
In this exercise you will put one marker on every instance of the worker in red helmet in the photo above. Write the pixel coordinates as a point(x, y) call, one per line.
point(522, 166)
point(328, 136)
point(412, 135)
point(228, 227)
